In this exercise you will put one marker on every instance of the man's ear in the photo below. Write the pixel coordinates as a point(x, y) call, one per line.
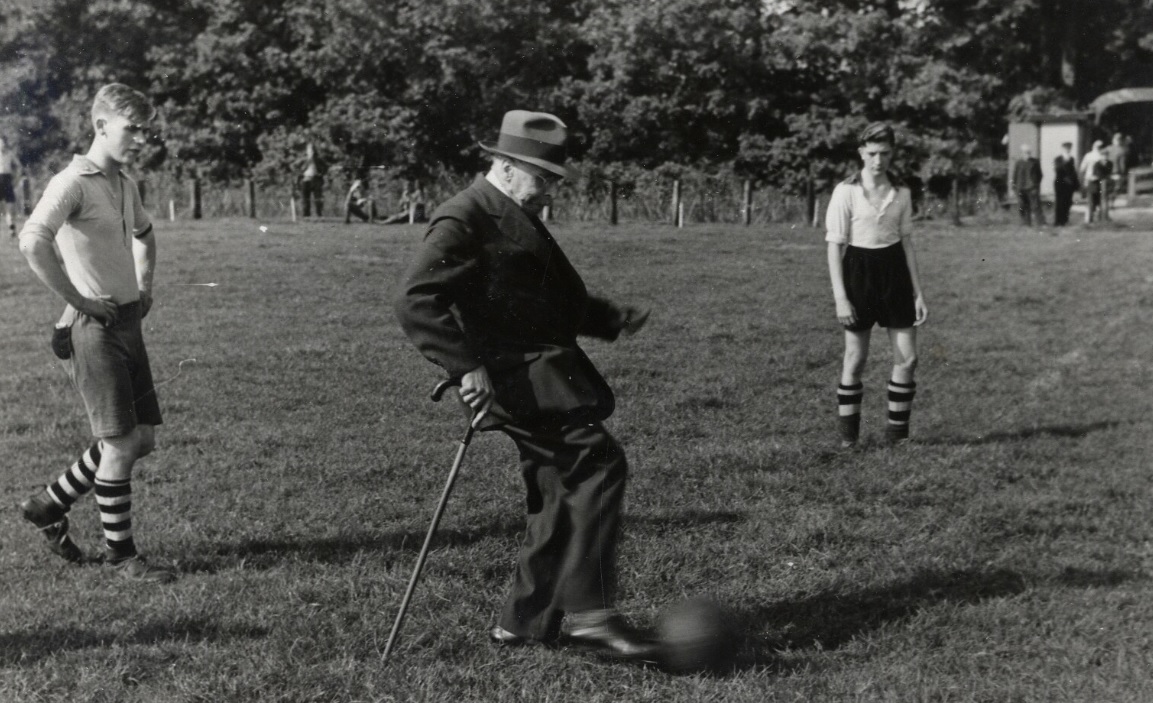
point(100, 123)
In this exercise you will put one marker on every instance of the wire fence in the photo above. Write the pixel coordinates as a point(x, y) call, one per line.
point(697, 199)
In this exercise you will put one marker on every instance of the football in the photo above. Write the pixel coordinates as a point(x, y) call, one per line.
point(695, 635)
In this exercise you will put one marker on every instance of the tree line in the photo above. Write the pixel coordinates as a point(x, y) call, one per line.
point(771, 90)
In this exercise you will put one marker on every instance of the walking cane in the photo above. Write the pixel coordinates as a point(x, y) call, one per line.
point(436, 395)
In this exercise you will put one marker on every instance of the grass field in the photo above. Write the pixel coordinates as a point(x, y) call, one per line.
point(1005, 556)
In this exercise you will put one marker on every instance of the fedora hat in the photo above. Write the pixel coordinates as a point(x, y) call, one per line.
point(536, 138)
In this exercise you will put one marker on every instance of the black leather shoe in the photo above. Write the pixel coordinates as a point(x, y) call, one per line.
point(611, 635)
point(500, 636)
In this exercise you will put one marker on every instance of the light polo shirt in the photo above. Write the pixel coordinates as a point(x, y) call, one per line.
point(851, 219)
point(92, 229)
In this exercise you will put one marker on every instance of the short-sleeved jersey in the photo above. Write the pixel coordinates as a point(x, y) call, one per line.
point(851, 219)
point(92, 230)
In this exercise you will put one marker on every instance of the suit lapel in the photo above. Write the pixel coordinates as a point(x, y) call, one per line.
point(513, 222)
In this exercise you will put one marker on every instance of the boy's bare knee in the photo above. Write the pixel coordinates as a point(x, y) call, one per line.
point(854, 361)
point(906, 363)
point(129, 446)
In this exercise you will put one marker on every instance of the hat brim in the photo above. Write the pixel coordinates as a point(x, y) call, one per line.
point(556, 169)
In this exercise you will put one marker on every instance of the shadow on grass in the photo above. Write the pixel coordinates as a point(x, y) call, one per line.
point(1070, 431)
point(268, 553)
point(22, 648)
point(830, 620)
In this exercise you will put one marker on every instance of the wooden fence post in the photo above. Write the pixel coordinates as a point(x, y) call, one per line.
point(171, 210)
point(680, 214)
point(250, 197)
point(677, 212)
point(810, 197)
point(816, 210)
point(612, 202)
point(26, 194)
point(747, 207)
point(955, 199)
point(1103, 184)
point(194, 193)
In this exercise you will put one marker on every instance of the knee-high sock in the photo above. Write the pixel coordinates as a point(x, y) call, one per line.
point(115, 501)
point(77, 480)
point(900, 407)
point(849, 409)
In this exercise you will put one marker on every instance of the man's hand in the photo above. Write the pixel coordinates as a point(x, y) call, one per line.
point(633, 319)
point(101, 308)
point(145, 303)
point(477, 392)
point(846, 315)
point(922, 311)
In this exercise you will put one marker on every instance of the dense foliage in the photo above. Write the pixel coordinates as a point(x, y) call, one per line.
point(771, 89)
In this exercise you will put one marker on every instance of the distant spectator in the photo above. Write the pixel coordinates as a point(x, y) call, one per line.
point(1095, 168)
point(9, 168)
point(1026, 181)
point(1119, 161)
point(312, 182)
point(411, 206)
point(1065, 183)
point(359, 204)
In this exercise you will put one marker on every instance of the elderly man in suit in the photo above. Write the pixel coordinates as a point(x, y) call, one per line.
point(1027, 183)
point(492, 299)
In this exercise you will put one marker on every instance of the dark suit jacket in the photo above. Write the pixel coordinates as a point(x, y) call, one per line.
point(1065, 173)
point(1027, 174)
point(490, 286)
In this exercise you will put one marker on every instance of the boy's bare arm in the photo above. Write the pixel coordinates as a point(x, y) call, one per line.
point(41, 256)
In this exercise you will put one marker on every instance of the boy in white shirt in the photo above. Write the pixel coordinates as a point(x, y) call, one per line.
point(92, 212)
point(875, 282)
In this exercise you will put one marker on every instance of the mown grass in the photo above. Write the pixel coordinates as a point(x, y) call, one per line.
point(1005, 556)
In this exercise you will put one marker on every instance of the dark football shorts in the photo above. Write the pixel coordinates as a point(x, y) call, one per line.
point(879, 287)
point(109, 367)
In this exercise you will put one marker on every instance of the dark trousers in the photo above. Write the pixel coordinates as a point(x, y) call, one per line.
point(310, 190)
point(1063, 195)
point(1029, 204)
point(575, 480)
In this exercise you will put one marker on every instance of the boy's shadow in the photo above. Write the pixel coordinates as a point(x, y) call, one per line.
point(1070, 431)
point(268, 553)
point(24, 648)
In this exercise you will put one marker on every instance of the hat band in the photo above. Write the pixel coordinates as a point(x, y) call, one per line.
point(532, 148)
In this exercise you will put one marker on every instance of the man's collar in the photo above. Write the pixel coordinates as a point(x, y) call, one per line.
point(86, 166)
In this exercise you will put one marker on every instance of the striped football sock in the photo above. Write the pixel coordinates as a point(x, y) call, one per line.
point(77, 480)
point(849, 409)
point(115, 501)
point(900, 406)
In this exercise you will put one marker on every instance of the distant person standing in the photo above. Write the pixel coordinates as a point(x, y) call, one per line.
point(1119, 163)
point(1065, 183)
point(312, 182)
point(1095, 168)
point(91, 212)
point(873, 269)
point(1027, 184)
point(9, 169)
